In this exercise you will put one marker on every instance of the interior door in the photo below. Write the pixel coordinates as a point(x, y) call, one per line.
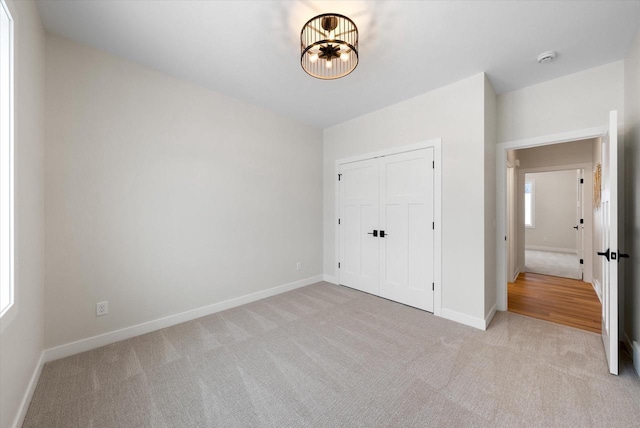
point(359, 207)
point(580, 221)
point(406, 218)
point(609, 254)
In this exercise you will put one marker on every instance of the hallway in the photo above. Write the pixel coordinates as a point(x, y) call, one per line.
point(561, 300)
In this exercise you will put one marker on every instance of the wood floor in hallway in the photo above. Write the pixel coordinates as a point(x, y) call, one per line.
point(561, 300)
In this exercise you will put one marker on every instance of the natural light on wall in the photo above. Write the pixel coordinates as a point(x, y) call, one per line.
point(529, 204)
point(6, 160)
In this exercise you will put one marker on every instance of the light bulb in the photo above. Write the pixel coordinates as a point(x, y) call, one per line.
point(313, 57)
point(344, 56)
point(329, 63)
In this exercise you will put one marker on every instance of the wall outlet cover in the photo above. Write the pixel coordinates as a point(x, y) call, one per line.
point(102, 308)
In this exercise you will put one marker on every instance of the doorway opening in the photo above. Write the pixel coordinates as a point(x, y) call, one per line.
point(552, 228)
point(554, 223)
point(605, 253)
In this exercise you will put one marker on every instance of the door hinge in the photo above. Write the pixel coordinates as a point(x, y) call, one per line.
point(433, 225)
point(433, 286)
point(581, 261)
point(581, 221)
point(338, 221)
point(434, 164)
point(338, 265)
point(339, 177)
point(582, 181)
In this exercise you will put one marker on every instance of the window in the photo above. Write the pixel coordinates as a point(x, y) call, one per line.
point(529, 203)
point(6, 160)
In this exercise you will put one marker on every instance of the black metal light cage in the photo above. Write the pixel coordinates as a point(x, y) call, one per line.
point(329, 46)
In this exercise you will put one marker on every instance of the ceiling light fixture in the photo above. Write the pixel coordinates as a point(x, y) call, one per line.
point(329, 46)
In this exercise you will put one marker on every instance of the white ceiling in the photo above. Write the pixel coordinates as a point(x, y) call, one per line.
point(250, 49)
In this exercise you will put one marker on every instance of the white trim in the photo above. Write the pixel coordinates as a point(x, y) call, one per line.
point(147, 327)
point(391, 151)
point(465, 319)
point(501, 193)
point(554, 249)
point(553, 168)
point(8, 262)
point(636, 357)
point(516, 274)
point(436, 144)
point(28, 394)
point(437, 212)
point(489, 317)
point(597, 288)
point(330, 279)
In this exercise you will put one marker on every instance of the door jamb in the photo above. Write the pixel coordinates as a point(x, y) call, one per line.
point(501, 193)
point(436, 144)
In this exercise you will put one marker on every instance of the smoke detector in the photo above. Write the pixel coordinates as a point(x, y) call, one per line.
point(546, 57)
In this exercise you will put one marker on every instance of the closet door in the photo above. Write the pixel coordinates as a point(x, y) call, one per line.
point(406, 217)
point(359, 208)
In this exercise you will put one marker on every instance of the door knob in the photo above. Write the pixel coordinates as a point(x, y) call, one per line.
point(604, 254)
point(374, 233)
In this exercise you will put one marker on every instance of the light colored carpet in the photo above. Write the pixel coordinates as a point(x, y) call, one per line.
point(553, 263)
point(329, 356)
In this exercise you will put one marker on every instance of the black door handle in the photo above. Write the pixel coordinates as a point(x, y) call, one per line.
point(374, 233)
point(622, 256)
point(605, 254)
point(382, 234)
point(575, 227)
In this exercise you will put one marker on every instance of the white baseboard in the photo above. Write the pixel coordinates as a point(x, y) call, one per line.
point(634, 348)
point(596, 287)
point(31, 388)
point(465, 319)
point(515, 274)
point(557, 250)
point(330, 278)
point(147, 327)
point(636, 357)
point(489, 317)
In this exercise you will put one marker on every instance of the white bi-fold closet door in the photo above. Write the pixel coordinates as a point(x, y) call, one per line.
point(386, 227)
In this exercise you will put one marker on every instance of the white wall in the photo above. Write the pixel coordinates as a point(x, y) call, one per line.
point(555, 210)
point(632, 187)
point(490, 129)
point(21, 341)
point(163, 196)
point(577, 101)
point(454, 113)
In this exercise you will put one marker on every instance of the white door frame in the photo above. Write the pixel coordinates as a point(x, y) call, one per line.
point(436, 144)
point(586, 166)
point(501, 194)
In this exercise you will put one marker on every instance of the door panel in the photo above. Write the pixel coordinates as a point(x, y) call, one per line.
point(610, 231)
point(406, 216)
point(359, 212)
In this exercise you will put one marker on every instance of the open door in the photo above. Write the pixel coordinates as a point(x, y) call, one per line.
point(610, 237)
point(580, 221)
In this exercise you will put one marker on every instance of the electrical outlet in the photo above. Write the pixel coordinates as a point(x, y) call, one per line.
point(298, 266)
point(102, 308)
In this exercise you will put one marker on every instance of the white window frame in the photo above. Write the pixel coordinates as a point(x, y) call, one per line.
point(531, 181)
point(8, 307)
